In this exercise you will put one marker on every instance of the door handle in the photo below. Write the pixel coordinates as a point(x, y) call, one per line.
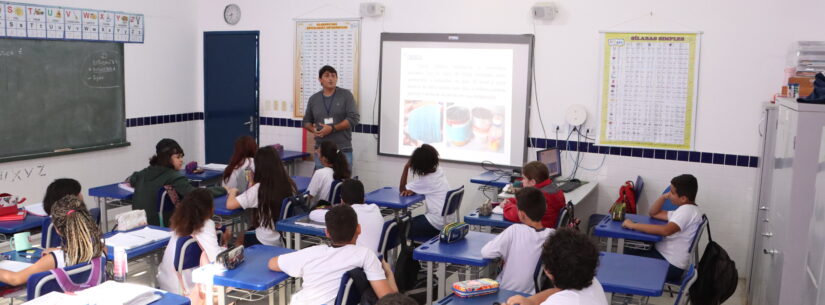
point(771, 251)
point(763, 208)
point(767, 234)
point(249, 123)
point(766, 220)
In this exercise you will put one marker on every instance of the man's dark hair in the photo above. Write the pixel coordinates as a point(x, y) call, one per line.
point(686, 185)
point(424, 160)
point(352, 191)
point(325, 69)
point(396, 299)
point(531, 201)
point(341, 223)
point(58, 189)
point(571, 258)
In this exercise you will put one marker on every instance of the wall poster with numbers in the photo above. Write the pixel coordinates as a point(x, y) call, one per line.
point(648, 89)
point(334, 42)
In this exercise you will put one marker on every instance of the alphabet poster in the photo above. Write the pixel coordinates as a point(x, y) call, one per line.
point(19, 20)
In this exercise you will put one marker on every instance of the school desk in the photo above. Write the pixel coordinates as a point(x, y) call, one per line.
point(106, 195)
point(253, 274)
point(151, 250)
point(11, 227)
point(465, 252)
point(492, 179)
point(390, 197)
point(26, 256)
point(207, 177)
point(301, 183)
point(501, 297)
point(630, 274)
point(293, 232)
point(290, 157)
point(613, 230)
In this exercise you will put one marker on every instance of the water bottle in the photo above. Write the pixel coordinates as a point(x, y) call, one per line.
point(121, 265)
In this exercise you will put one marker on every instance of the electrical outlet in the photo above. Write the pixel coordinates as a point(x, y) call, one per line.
point(560, 129)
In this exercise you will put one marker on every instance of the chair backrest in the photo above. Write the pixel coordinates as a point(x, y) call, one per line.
point(452, 203)
point(289, 208)
point(694, 242)
point(347, 293)
point(687, 281)
point(389, 235)
point(538, 276)
point(335, 192)
point(187, 253)
point(44, 282)
point(668, 206)
point(165, 205)
point(638, 187)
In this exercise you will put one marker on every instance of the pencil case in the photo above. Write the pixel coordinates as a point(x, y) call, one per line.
point(454, 232)
point(474, 288)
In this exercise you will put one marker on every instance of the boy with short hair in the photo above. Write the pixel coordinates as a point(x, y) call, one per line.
point(369, 215)
point(322, 266)
point(680, 229)
point(570, 260)
point(519, 245)
point(537, 175)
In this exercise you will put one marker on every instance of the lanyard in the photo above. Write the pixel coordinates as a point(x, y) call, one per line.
point(331, 100)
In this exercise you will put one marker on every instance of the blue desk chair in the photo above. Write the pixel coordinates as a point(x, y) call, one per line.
point(44, 282)
point(50, 239)
point(540, 280)
point(594, 219)
point(452, 204)
point(348, 292)
point(389, 236)
point(289, 207)
point(638, 187)
point(165, 205)
point(187, 256)
point(335, 192)
point(687, 281)
point(668, 206)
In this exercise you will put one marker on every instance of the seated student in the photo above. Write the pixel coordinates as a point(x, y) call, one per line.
point(163, 170)
point(59, 188)
point(369, 215)
point(537, 175)
point(570, 260)
point(396, 299)
point(271, 184)
point(678, 232)
point(520, 244)
point(335, 167)
point(322, 266)
point(82, 241)
point(428, 180)
point(192, 217)
point(240, 165)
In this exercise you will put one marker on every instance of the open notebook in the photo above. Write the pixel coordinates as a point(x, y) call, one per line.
point(109, 292)
point(136, 238)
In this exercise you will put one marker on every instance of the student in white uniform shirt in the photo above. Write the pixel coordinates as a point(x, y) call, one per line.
point(428, 180)
point(570, 260)
point(271, 184)
point(519, 245)
point(680, 229)
point(322, 266)
point(335, 167)
point(369, 215)
point(192, 217)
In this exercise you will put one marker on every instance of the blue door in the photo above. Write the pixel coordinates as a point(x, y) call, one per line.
point(230, 73)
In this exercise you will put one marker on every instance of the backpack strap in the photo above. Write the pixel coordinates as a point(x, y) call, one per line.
point(170, 191)
point(67, 285)
point(707, 224)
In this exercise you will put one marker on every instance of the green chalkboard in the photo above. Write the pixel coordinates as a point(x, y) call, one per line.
point(60, 96)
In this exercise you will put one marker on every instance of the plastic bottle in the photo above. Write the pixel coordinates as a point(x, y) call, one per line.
point(120, 265)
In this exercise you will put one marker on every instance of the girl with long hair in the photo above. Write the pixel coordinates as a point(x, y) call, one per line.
point(335, 167)
point(240, 164)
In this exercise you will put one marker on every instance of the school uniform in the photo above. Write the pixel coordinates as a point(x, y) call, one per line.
point(370, 219)
point(434, 187)
point(519, 246)
point(207, 239)
point(232, 180)
point(591, 295)
point(555, 203)
point(266, 236)
point(320, 184)
point(322, 267)
point(674, 248)
point(148, 181)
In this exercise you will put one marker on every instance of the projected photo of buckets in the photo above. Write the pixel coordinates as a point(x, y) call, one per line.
point(459, 125)
point(482, 120)
point(423, 122)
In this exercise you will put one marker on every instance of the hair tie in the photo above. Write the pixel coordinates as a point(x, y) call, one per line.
point(69, 212)
point(337, 151)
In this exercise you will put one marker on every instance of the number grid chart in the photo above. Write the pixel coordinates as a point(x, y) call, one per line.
point(325, 42)
point(648, 89)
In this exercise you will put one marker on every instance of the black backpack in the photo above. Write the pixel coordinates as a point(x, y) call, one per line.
point(717, 276)
point(406, 268)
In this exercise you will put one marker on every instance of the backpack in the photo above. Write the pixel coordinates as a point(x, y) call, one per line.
point(717, 276)
point(626, 200)
point(406, 268)
point(362, 288)
point(567, 217)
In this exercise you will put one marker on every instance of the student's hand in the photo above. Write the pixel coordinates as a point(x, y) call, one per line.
point(628, 224)
point(232, 191)
point(517, 299)
point(386, 266)
point(407, 193)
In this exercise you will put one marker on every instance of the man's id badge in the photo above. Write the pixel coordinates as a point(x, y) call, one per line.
point(328, 121)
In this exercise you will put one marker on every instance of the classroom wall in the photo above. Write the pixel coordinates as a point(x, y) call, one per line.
point(160, 80)
point(742, 56)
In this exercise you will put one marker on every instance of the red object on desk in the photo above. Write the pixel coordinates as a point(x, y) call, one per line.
point(20, 215)
point(11, 209)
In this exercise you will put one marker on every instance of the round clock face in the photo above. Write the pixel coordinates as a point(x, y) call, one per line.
point(232, 14)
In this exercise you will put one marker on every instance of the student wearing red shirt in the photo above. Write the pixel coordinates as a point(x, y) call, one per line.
point(537, 175)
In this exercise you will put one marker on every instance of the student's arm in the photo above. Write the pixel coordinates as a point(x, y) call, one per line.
point(273, 264)
point(45, 263)
point(536, 299)
point(232, 199)
point(511, 210)
point(182, 185)
point(662, 230)
point(656, 207)
point(403, 184)
point(384, 287)
point(498, 246)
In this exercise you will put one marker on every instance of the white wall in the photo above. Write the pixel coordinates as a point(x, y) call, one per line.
point(160, 79)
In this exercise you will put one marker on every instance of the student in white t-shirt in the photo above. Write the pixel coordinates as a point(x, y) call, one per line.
point(519, 245)
point(570, 260)
point(428, 180)
point(335, 167)
point(678, 233)
point(192, 217)
point(322, 266)
point(369, 215)
point(271, 184)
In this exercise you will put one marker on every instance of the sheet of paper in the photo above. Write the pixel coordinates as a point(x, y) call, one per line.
point(151, 234)
point(111, 292)
point(214, 167)
point(127, 241)
point(13, 266)
point(36, 209)
point(126, 187)
point(310, 225)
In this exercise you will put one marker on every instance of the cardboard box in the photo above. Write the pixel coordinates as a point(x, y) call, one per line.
point(806, 84)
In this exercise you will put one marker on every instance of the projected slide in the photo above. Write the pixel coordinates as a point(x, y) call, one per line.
point(468, 100)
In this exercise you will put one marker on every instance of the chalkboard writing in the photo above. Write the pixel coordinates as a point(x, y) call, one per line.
point(59, 96)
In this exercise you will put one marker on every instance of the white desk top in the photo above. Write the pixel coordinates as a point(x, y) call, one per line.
point(576, 195)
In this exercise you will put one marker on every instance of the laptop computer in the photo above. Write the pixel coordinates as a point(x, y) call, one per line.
point(552, 159)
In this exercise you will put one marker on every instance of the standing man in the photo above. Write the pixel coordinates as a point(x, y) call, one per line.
point(331, 114)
